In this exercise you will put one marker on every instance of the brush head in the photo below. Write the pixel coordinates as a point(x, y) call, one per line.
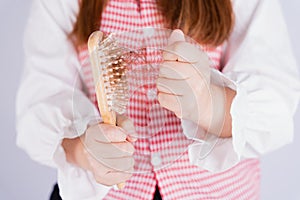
point(114, 73)
point(109, 69)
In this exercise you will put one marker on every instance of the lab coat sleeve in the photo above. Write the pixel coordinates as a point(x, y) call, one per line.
point(259, 64)
point(51, 104)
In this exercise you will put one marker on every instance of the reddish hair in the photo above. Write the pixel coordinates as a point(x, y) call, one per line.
point(210, 22)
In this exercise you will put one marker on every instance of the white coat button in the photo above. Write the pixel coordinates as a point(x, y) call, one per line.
point(155, 159)
point(151, 94)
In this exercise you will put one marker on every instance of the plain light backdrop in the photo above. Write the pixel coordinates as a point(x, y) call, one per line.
point(21, 178)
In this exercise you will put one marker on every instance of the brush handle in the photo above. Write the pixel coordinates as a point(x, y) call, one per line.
point(108, 117)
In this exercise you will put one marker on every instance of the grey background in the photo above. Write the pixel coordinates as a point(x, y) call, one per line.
point(20, 178)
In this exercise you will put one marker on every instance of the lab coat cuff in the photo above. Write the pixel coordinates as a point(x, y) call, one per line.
point(209, 151)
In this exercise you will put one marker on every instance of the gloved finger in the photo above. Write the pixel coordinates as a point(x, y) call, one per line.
point(111, 150)
point(181, 51)
point(102, 133)
point(174, 87)
point(118, 164)
point(179, 70)
point(106, 133)
point(169, 53)
point(127, 124)
point(174, 70)
point(113, 178)
point(170, 102)
point(176, 35)
point(185, 52)
point(103, 165)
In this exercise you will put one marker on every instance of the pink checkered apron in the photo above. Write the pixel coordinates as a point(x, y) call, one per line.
point(161, 156)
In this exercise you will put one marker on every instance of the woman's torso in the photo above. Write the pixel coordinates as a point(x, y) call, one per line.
point(161, 155)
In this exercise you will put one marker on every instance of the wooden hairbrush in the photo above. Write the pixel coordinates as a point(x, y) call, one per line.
point(109, 69)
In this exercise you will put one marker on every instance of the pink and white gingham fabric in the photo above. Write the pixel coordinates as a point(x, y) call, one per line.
point(161, 151)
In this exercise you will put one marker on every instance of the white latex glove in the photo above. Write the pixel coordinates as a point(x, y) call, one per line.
point(184, 87)
point(109, 151)
point(184, 81)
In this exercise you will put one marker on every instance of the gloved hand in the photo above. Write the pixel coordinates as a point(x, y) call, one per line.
point(109, 151)
point(184, 83)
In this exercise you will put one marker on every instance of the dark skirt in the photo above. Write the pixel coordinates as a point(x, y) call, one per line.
point(55, 194)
